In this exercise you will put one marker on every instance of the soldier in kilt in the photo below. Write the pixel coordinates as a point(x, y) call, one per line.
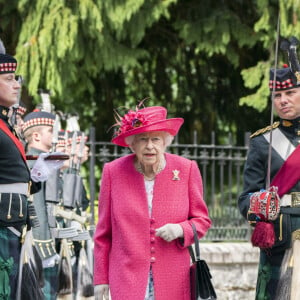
point(38, 132)
point(14, 181)
point(276, 271)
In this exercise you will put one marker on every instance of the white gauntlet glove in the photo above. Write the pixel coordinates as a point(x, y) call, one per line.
point(43, 167)
point(101, 291)
point(170, 232)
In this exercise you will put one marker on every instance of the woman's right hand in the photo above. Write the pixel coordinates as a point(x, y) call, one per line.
point(101, 291)
point(170, 232)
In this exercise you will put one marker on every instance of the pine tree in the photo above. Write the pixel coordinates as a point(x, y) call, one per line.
point(206, 61)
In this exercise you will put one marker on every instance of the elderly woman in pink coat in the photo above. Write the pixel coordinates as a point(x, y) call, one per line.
point(147, 203)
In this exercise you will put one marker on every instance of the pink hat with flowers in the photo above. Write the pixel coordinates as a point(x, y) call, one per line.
point(144, 120)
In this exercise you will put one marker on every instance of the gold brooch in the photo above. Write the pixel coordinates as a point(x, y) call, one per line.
point(176, 175)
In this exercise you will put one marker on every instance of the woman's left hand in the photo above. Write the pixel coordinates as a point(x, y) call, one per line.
point(170, 232)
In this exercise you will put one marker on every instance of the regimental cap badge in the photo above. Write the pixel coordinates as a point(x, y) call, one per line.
point(4, 112)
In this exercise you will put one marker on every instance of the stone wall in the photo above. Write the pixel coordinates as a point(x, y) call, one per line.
point(233, 267)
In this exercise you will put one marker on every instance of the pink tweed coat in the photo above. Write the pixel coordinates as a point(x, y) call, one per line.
point(125, 241)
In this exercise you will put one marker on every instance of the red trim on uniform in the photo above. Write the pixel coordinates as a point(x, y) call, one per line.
point(17, 142)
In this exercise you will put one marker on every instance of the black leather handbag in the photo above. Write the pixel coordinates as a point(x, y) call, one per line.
point(201, 285)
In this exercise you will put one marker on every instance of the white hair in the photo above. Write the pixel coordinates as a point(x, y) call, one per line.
point(168, 138)
point(129, 140)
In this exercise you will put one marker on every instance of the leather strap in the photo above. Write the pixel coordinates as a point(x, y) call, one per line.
point(197, 248)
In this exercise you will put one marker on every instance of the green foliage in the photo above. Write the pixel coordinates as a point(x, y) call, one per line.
point(259, 99)
point(252, 76)
point(50, 43)
point(206, 61)
point(263, 24)
point(255, 77)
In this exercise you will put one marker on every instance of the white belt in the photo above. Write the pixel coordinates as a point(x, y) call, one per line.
point(16, 188)
point(292, 199)
point(286, 200)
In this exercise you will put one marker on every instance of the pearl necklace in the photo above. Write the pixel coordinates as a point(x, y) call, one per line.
point(161, 166)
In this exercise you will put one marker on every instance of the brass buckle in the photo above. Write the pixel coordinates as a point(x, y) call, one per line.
point(295, 199)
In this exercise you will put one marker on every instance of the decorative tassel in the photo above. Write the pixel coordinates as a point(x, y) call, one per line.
point(65, 285)
point(29, 286)
point(87, 283)
point(85, 287)
point(263, 235)
point(64, 278)
point(38, 269)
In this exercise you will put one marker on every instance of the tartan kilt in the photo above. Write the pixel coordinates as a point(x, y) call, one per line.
point(10, 246)
point(51, 282)
point(268, 275)
point(269, 268)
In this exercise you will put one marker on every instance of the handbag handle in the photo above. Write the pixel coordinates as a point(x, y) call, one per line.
point(197, 248)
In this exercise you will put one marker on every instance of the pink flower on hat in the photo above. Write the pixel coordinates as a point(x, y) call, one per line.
point(131, 120)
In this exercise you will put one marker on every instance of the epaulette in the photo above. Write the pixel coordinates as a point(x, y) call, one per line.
point(264, 130)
